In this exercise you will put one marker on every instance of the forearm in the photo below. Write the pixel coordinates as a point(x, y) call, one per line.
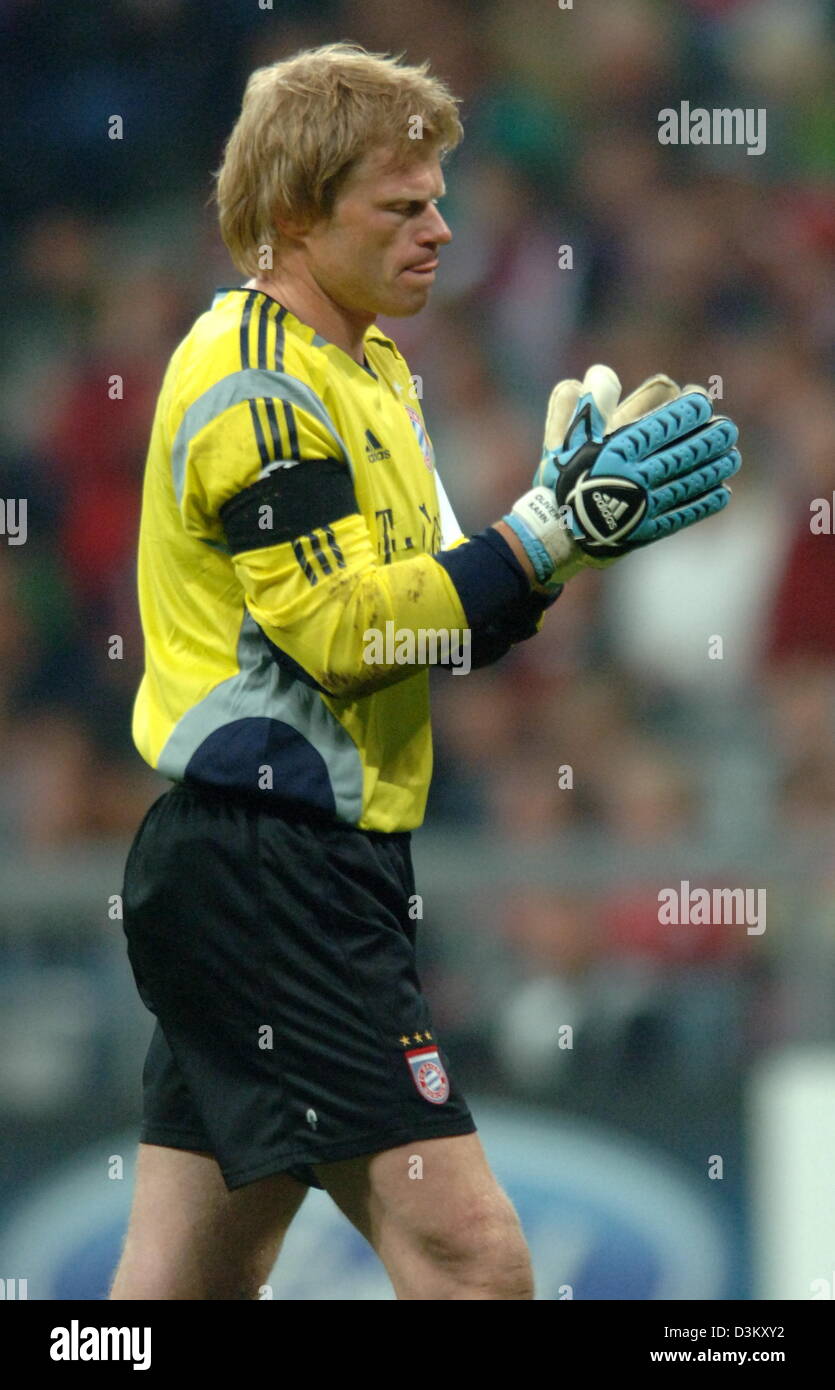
point(338, 626)
point(519, 551)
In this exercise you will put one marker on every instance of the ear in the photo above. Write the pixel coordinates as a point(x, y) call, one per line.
point(292, 228)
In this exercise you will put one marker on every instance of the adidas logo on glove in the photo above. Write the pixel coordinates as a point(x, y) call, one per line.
point(610, 515)
point(609, 509)
point(613, 478)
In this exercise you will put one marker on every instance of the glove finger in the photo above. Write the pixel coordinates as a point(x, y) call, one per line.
point(655, 391)
point(603, 385)
point(655, 528)
point(634, 443)
point(694, 485)
point(703, 447)
point(561, 407)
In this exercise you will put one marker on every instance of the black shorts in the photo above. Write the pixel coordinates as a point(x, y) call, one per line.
point(278, 957)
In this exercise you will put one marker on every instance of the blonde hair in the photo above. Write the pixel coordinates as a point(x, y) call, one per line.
point(306, 121)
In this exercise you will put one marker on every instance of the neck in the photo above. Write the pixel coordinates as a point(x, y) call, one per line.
point(311, 305)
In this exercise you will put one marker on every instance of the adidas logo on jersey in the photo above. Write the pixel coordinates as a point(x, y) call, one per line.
point(374, 451)
point(610, 509)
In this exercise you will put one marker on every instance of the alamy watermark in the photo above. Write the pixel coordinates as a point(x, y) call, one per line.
point(82, 1343)
point(822, 520)
point(722, 906)
point(719, 126)
point(13, 513)
point(423, 646)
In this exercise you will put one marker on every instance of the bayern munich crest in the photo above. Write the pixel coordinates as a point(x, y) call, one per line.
point(428, 1074)
point(422, 437)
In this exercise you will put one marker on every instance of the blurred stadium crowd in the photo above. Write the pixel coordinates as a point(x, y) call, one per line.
point(705, 262)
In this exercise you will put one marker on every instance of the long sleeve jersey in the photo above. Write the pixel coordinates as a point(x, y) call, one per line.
point(291, 509)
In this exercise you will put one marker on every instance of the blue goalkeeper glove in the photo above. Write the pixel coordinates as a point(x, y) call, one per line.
point(615, 478)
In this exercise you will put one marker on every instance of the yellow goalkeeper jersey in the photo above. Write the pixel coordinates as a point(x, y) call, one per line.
point(290, 506)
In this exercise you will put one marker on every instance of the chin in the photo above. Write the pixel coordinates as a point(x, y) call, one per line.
point(402, 308)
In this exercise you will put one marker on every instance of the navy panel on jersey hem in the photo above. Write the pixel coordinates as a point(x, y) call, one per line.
point(284, 808)
point(234, 755)
point(360, 1147)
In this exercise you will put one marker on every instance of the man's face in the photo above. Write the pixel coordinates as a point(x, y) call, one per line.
point(385, 222)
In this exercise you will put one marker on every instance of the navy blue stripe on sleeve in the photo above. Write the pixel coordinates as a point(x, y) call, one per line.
point(292, 432)
point(263, 451)
point(490, 581)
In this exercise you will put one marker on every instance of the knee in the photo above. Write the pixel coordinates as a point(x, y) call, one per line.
point(156, 1274)
point(166, 1284)
point(482, 1245)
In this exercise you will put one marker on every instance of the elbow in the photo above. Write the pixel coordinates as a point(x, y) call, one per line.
point(354, 684)
point(338, 679)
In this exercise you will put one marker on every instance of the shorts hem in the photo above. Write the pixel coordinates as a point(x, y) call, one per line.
point(349, 1148)
point(186, 1141)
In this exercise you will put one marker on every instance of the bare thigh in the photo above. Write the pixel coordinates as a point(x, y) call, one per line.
point(438, 1219)
point(190, 1238)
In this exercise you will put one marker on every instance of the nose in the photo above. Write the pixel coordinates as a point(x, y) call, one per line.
point(436, 232)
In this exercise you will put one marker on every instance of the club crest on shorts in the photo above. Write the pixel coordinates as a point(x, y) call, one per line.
point(428, 1074)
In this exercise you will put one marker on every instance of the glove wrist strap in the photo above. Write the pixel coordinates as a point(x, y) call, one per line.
point(541, 526)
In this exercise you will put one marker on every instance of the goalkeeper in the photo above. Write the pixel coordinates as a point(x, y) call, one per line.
point(291, 507)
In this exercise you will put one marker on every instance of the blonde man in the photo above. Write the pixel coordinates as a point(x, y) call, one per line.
point(292, 521)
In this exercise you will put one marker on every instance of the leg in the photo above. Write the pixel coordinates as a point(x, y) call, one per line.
point(190, 1238)
point(451, 1233)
